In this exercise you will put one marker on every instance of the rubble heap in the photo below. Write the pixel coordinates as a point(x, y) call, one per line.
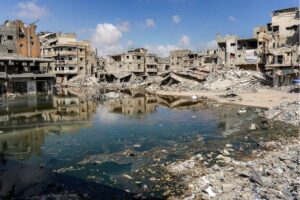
point(288, 112)
point(201, 78)
point(81, 81)
point(273, 175)
point(234, 79)
point(213, 79)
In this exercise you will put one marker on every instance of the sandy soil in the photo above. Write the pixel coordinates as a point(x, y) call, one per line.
point(264, 98)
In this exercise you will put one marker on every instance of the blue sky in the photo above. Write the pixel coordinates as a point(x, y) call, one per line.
point(160, 25)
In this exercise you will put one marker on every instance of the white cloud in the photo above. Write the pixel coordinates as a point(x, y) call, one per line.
point(232, 18)
point(150, 23)
point(31, 10)
point(176, 19)
point(124, 26)
point(161, 50)
point(184, 40)
point(106, 38)
point(107, 34)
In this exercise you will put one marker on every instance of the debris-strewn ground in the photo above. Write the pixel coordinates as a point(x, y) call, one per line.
point(273, 175)
point(231, 80)
point(288, 112)
point(216, 79)
point(82, 81)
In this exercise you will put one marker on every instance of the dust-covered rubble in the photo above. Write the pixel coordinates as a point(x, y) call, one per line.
point(288, 112)
point(273, 175)
point(204, 78)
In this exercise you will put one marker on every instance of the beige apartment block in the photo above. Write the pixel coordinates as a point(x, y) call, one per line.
point(72, 57)
point(273, 48)
point(136, 61)
point(238, 52)
point(185, 59)
point(282, 54)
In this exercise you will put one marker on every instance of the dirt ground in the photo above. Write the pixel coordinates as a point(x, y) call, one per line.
point(264, 98)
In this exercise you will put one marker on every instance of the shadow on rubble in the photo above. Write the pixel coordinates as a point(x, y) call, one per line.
point(22, 181)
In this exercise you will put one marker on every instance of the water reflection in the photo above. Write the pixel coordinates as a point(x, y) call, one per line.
point(26, 122)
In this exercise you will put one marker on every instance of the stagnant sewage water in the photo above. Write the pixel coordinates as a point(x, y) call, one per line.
point(118, 148)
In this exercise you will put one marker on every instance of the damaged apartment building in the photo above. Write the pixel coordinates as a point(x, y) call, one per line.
point(136, 62)
point(22, 69)
point(71, 57)
point(185, 59)
point(273, 49)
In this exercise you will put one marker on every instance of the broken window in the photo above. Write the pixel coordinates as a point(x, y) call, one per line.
point(10, 51)
point(280, 59)
point(71, 68)
point(81, 68)
point(127, 57)
point(139, 66)
point(10, 37)
point(70, 58)
point(81, 59)
point(21, 45)
point(69, 49)
point(232, 44)
point(0, 39)
point(232, 55)
point(138, 57)
point(275, 28)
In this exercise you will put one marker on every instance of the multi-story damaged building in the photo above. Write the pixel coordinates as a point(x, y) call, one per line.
point(239, 52)
point(163, 64)
point(21, 68)
point(184, 59)
point(273, 48)
point(136, 61)
point(72, 57)
point(282, 46)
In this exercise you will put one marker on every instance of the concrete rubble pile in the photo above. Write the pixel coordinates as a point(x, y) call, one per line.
point(217, 79)
point(202, 78)
point(235, 80)
point(288, 112)
point(81, 81)
point(274, 175)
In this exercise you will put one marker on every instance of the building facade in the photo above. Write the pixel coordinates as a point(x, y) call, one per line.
point(282, 53)
point(71, 57)
point(21, 68)
point(136, 61)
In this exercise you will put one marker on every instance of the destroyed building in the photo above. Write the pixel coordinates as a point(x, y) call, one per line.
point(273, 49)
point(72, 57)
point(21, 68)
point(136, 62)
point(185, 59)
point(282, 54)
point(163, 64)
point(133, 61)
point(238, 52)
